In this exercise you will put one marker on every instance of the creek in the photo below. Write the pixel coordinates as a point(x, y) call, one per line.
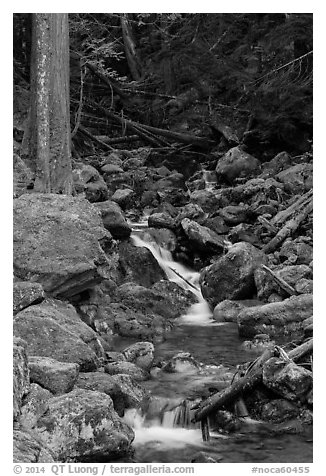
point(164, 433)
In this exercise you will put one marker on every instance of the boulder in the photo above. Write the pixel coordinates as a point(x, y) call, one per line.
point(124, 391)
point(47, 337)
point(124, 197)
point(36, 403)
point(287, 379)
point(232, 275)
point(57, 377)
point(202, 237)
point(177, 298)
point(58, 243)
point(138, 264)
point(82, 426)
point(235, 214)
point(245, 232)
point(296, 179)
point(88, 180)
point(110, 169)
point(141, 354)
point(183, 362)
point(276, 164)
point(304, 286)
point(209, 200)
point(228, 311)
point(127, 368)
point(161, 220)
point(27, 449)
point(277, 411)
point(191, 211)
point(20, 375)
point(277, 317)
point(25, 294)
point(113, 219)
point(236, 163)
point(217, 224)
point(296, 252)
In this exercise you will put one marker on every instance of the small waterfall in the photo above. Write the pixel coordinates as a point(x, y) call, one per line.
point(209, 177)
point(199, 313)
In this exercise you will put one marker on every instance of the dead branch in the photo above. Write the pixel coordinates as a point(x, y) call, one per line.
point(281, 282)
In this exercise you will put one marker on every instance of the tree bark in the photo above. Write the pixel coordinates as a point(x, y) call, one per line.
point(47, 140)
point(130, 48)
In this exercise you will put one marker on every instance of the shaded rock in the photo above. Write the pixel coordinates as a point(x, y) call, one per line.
point(191, 211)
point(236, 163)
point(113, 219)
point(123, 197)
point(57, 377)
point(296, 252)
point(26, 449)
point(109, 169)
point(141, 354)
point(277, 317)
point(296, 179)
point(232, 275)
point(287, 379)
point(57, 242)
point(210, 201)
point(228, 311)
point(276, 165)
point(88, 180)
point(35, 405)
point(83, 426)
point(235, 214)
point(23, 176)
point(161, 220)
point(245, 232)
point(25, 294)
point(216, 224)
point(277, 411)
point(202, 237)
point(138, 264)
point(124, 391)
point(127, 368)
point(176, 297)
point(149, 199)
point(266, 285)
point(180, 363)
point(304, 286)
point(20, 375)
point(206, 458)
point(175, 196)
point(175, 180)
point(226, 421)
point(46, 337)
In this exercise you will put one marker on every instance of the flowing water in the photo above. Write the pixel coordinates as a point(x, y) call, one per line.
point(164, 432)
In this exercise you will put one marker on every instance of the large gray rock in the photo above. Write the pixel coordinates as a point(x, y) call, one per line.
point(297, 179)
point(141, 354)
point(83, 426)
point(57, 377)
point(20, 375)
point(202, 237)
point(46, 336)
point(36, 403)
point(236, 163)
point(27, 449)
point(25, 294)
point(232, 275)
point(228, 311)
point(113, 219)
point(296, 252)
point(287, 379)
point(128, 368)
point(88, 180)
point(208, 200)
point(276, 317)
point(57, 242)
point(124, 197)
point(161, 220)
point(124, 391)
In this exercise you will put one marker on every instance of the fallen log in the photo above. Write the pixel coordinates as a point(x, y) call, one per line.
point(284, 215)
point(281, 282)
point(252, 377)
point(289, 228)
point(94, 138)
point(118, 140)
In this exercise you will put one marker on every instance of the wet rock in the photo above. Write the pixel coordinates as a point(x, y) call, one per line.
point(235, 214)
point(113, 219)
point(236, 163)
point(88, 180)
point(57, 377)
point(266, 285)
point(57, 242)
point(226, 421)
point(127, 368)
point(228, 311)
point(46, 337)
point(277, 317)
point(25, 294)
point(202, 237)
point(161, 220)
point(259, 343)
point(27, 449)
point(35, 405)
point(277, 411)
point(232, 275)
point(296, 179)
point(177, 298)
point(124, 391)
point(162, 237)
point(287, 379)
point(20, 375)
point(83, 426)
point(141, 354)
point(181, 363)
point(123, 197)
point(139, 265)
point(296, 252)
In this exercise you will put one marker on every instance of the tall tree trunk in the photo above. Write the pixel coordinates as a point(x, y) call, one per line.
point(47, 141)
point(130, 48)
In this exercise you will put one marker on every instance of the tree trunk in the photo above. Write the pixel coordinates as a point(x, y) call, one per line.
point(130, 49)
point(47, 140)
